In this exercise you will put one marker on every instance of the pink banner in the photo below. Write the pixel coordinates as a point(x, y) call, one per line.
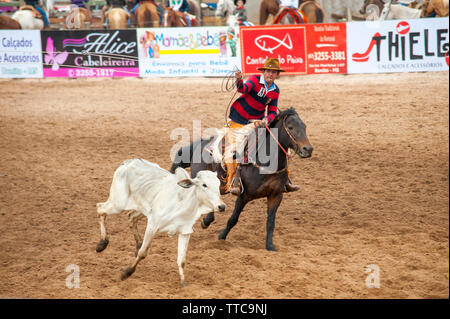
point(91, 72)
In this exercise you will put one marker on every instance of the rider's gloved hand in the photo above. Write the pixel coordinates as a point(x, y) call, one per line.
point(261, 123)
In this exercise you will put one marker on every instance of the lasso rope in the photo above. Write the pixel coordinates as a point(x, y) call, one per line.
point(228, 85)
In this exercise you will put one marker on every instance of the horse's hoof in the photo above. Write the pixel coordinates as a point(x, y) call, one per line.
point(183, 284)
point(271, 248)
point(222, 236)
point(127, 273)
point(204, 226)
point(102, 244)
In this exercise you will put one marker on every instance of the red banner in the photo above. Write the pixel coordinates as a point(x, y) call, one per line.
point(327, 48)
point(301, 49)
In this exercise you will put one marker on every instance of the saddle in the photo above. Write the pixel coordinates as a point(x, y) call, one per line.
point(186, 18)
point(243, 150)
point(297, 15)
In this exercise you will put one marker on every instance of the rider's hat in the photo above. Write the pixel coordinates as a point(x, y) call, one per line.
point(235, 2)
point(271, 64)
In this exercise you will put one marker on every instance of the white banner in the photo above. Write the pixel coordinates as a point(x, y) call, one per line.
point(20, 54)
point(199, 51)
point(398, 45)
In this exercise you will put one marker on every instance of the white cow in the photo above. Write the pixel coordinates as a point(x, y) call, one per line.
point(172, 203)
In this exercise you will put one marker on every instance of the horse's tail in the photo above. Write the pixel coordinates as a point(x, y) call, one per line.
point(263, 13)
point(319, 15)
point(189, 154)
point(147, 18)
point(183, 157)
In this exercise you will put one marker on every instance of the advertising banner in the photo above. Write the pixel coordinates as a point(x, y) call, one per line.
point(326, 47)
point(20, 54)
point(85, 53)
point(301, 49)
point(398, 45)
point(199, 51)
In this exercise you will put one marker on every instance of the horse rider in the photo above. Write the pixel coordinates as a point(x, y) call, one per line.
point(35, 5)
point(178, 5)
point(258, 93)
point(240, 12)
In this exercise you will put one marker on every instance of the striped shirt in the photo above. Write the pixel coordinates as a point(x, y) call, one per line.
point(251, 105)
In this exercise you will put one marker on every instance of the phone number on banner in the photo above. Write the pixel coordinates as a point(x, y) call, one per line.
point(90, 72)
point(327, 56)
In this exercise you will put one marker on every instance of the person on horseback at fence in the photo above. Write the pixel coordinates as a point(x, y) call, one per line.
point(35, 5)
point(240, 12)
point(248, 112)
point(178, 5)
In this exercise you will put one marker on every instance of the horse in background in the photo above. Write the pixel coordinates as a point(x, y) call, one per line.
point(77, 17)
point(310, 11)
point(378, 9)
point(117, 18)
point(225, 8)
point(172, 18)
point(147, 15)
point(27, 17)
point(438, 7)
point(7, 23)
point(195, 10)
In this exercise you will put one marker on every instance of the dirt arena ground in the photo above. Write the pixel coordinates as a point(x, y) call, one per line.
point(376, 190)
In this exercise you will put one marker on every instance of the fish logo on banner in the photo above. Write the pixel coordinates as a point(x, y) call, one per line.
point(270, 43)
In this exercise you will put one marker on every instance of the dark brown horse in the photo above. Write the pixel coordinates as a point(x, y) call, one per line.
point(172, 18)
point(147, 14)
point(264, 177)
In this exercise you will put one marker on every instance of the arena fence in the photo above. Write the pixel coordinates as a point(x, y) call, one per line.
point(343, 48)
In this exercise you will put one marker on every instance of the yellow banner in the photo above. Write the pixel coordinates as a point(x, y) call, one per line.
point(206, 51)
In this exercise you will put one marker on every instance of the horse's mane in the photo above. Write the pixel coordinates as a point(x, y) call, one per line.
point(282, 115)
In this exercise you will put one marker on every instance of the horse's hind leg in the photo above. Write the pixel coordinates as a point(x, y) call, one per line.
point(238, 207)
point(133, 218)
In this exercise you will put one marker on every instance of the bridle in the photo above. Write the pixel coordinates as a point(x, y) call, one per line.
point(278, 142)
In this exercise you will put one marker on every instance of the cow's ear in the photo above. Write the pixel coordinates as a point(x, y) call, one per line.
point(186, 183)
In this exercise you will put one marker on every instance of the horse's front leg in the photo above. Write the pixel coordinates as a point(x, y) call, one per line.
point(273, 202)
point(238, 207)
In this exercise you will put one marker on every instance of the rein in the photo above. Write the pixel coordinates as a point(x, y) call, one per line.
point(288, 133)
